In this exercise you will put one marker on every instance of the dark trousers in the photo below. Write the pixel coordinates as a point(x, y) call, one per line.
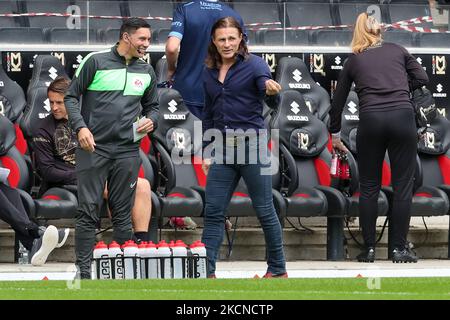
point(13, 213)
point(93, 171)
point(221, 183)
point(394, 131)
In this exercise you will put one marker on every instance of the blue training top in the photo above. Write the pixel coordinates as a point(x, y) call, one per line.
point(192, 23)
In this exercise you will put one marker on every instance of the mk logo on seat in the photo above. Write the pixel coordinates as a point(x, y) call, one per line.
point(303, 140)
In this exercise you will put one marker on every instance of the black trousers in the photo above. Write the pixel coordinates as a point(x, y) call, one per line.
point(93, 171)
point(394, 131)
point(13, 213)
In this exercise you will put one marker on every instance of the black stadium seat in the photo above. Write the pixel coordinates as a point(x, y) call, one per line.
point(12, 97)
point(433, 40)
point(46, 69)
point(339, 38)
point(177, 181)
point(283, 37)
point(9, 7)
point(292, 74)
point(163, 9)
point(22, 35)
point(42, 21)
point(305, 168)
point(72, 36)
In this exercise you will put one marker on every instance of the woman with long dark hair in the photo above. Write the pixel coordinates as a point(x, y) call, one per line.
point(236, 83)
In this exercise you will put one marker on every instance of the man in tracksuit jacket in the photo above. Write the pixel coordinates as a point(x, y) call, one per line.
point(117, 88)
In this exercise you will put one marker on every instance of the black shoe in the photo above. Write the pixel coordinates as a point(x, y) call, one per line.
point(63, 234)
point(405, 255)
point(368, 255)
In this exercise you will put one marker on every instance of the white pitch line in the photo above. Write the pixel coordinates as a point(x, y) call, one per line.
point(372, 272)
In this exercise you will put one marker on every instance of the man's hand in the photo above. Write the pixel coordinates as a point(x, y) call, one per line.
point(145, 126)
point(86, 140)
point(337, 144)
point(206, 163)
point(272, 87)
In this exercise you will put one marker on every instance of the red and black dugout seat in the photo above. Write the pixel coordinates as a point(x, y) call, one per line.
point(305, 181)
point(178, 158)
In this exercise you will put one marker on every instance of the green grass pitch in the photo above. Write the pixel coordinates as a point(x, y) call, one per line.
point(236, 289)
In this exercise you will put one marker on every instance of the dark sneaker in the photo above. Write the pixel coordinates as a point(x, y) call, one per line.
point(368, 255)
point(63, 234)
point(212, 276)
point(43, 245)
point(405, 255)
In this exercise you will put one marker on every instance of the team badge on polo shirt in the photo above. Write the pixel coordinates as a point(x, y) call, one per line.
point(138, 84)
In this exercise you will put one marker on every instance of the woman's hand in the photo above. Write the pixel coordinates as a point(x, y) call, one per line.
point(338, 144)
point(206, 163)
point(272, 87)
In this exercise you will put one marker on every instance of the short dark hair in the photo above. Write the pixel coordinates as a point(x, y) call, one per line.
point(213, 59)
point(130, 25)
point(59, 85)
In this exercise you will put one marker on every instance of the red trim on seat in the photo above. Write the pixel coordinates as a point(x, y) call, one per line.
point(146, 144)
point(356, 194)
point(197, 164)
point(51, 197)
point(330, 144)
point(141, 173)
point(240, 194)
point(424, 194)
point(323, 172)
point(302, 195)
point(386, 174)
point(21, 143)
point(176, 194)
point(14, 175)
point(444, 165)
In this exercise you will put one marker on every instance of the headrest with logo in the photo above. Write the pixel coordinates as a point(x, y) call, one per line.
point(436, 139)
point(7, 135)
point(350, 121)
point(293, 74)
point(176, 124)
point(299, 129)
point(46, 69)
point(12, 97)
point(38, 109)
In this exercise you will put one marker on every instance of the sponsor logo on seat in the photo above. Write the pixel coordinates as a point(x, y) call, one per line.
point(440, 94)
point(172, 108)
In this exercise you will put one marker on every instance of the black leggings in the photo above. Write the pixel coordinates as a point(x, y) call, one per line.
point(394, 131)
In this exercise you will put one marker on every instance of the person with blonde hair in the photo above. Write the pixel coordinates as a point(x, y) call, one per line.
point(383, 74)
